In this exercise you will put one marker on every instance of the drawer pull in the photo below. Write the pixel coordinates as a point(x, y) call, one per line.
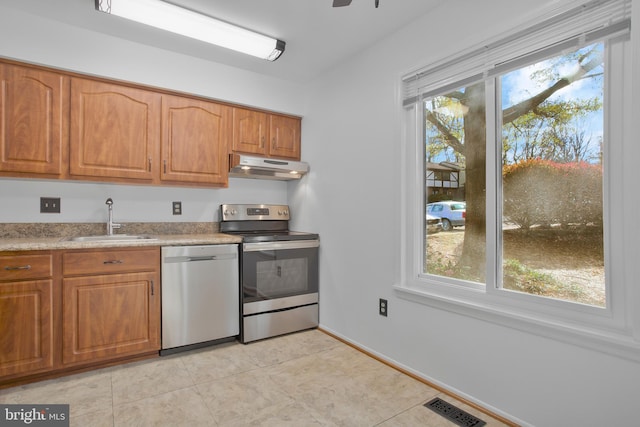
point(22, 267)
point(113, 261)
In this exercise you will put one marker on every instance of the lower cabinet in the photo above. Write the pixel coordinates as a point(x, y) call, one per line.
point(26, 314)
point(110, 304)
point(109, 316)
point(26, 327)
point(63, 310)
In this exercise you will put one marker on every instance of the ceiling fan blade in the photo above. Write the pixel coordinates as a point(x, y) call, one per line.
point(340, 3)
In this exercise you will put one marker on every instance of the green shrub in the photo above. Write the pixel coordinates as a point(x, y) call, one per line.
point(542, 192)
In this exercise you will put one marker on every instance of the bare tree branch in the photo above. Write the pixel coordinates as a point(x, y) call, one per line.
point(449, 138)
point(515, 111)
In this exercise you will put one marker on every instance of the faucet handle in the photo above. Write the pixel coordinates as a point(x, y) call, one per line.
point(109, 201)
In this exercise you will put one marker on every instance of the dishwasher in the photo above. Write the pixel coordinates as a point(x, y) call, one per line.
point(200, 296)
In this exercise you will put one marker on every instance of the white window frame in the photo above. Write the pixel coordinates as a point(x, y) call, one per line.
point(613, 329)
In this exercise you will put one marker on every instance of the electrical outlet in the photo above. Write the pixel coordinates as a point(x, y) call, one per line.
point(383, 307)
point(49, 204)
point(177, 208)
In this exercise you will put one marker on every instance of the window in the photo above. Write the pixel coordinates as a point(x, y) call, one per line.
point(551, 165)
point(533, 123)
point(552, 177)
point(454, 125)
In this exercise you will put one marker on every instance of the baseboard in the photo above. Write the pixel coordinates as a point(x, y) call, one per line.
point(441, 389)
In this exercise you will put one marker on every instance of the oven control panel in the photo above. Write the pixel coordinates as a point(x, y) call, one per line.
point(254, 212)
point(257, 211)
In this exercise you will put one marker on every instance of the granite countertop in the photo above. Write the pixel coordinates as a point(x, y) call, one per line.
point(51, 243)
point(37, 236)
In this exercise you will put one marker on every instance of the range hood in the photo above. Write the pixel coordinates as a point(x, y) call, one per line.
point(242, 166)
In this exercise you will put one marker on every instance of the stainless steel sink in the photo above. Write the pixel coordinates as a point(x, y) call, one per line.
point(109, 238)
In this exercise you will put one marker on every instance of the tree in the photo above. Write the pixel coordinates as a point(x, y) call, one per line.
point(471, 142)
point(552, 132)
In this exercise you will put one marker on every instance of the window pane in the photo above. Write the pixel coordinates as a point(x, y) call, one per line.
point(552, 171)
point(455, 167)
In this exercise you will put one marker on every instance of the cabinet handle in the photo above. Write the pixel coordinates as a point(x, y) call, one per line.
point(21, 267)
point(273, 143)
point(149, 164)
point(262, 142)
point(152, 289)
point(113, 261)
point(165, 166)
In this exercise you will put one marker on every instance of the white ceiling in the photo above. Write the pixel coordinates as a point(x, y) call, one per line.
point(318, 36)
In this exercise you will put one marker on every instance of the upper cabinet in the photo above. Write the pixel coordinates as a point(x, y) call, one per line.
point(135, 135)
point(69, 126)
point(33, 120)
point(265, 134)
point(285, 137)
point(194, 140)
point(115, 131)
point(250, 131)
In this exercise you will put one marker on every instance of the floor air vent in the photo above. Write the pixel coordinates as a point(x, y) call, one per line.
point(453, 414)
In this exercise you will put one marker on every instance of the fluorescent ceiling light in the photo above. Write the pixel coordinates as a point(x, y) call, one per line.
point(182, 21)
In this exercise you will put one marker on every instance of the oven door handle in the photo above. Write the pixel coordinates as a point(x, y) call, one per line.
point(274, 246)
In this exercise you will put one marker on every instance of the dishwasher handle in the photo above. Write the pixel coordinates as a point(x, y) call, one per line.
point(219, 257)
point(202, 258)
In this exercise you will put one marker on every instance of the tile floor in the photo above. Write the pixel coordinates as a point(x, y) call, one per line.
point(302, 379)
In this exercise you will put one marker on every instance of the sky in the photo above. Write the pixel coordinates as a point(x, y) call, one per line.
point(519, 85)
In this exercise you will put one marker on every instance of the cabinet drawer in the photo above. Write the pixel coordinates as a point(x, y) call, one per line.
point(19, 267)
point(110, 261)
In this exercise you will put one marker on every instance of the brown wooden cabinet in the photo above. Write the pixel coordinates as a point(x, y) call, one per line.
point(69, 126)
point(33, 120)
point(61, 311)
point(134, 135)
point(27, 315)
point(266, 134)
point(195, 138)
point(111, 304)
point(284, 134)
point(115, 131)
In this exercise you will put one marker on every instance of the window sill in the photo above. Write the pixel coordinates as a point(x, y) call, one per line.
point(612, 342)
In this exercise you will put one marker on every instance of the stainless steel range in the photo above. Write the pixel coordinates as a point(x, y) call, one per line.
point(279, 271)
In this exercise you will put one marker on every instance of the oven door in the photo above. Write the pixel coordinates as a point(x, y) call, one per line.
point(276, 270)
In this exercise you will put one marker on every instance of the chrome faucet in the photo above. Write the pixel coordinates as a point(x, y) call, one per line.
point(110, 224)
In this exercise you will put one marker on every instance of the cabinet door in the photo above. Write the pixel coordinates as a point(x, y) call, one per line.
point(108, 316)
point(33, 125)
point(195, 140)
point(115, 131)
point(285, 137)
point(26, 327)
point(250, 131)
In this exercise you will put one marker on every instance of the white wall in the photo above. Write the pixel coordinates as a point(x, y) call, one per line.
point(32, 39)
point(352, 140)
point(85, 202)
point(351, 197)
